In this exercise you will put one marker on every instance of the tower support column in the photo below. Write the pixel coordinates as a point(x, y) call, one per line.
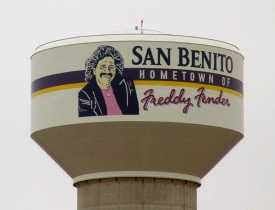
point(136, 193)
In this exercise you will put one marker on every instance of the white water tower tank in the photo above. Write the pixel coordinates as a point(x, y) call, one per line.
point(137, 120)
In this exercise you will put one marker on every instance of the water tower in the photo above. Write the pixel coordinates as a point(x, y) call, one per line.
point(137, 119)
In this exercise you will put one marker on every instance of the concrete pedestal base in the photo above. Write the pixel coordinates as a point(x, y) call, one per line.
point(136, 194)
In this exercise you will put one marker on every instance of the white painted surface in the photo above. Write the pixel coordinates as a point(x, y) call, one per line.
point(61, 107)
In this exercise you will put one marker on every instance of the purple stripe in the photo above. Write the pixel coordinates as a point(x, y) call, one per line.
point(135, 74)
point(235, 84)
point(58, 79)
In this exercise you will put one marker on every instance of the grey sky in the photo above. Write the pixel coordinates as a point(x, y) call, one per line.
point(243, 180)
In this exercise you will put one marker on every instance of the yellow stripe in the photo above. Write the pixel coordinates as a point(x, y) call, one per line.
point(141, 82)
point(59, 87)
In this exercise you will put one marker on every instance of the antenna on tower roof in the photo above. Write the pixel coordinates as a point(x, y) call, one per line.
point(141, 29)
point(137, 28)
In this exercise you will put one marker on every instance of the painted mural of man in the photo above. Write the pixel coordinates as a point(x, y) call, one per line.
point(107, 91)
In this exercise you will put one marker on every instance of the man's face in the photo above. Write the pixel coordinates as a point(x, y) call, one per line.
point(105, 72)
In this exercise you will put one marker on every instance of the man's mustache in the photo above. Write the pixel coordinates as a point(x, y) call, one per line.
point(110, 74)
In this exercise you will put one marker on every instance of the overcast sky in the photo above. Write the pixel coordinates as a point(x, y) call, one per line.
point(243, 180)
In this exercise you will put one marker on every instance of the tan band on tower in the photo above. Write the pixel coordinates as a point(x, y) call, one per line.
point(144, 174)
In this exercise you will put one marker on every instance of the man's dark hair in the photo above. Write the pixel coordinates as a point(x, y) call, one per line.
point(100, 53)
